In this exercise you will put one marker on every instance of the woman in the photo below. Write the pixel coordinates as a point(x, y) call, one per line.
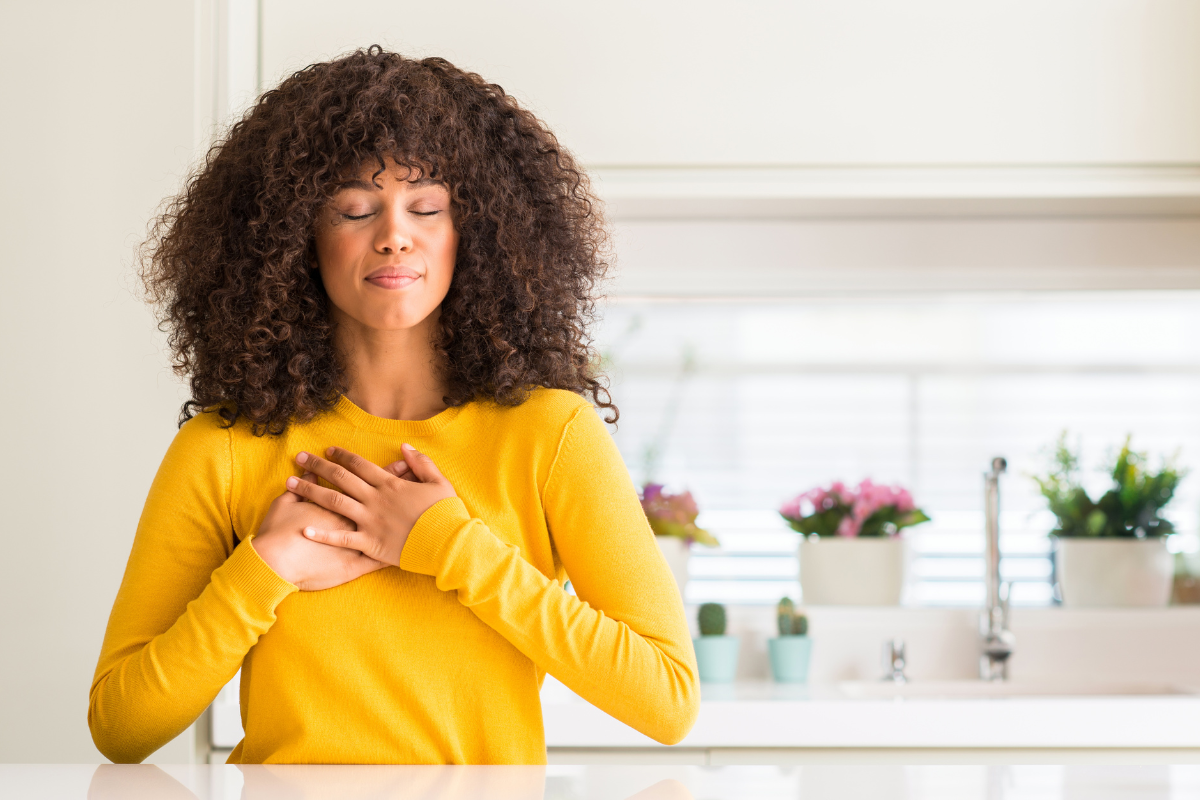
point(387, 262)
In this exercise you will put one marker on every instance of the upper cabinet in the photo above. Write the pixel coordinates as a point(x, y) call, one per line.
point(630, 83)
point(823, 107)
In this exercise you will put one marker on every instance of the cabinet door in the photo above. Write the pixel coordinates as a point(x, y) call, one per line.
point(808, 82)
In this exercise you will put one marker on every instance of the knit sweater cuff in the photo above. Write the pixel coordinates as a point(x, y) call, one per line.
point(429, 541)
point(246, 574)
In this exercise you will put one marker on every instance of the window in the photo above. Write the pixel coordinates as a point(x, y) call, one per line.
point(747, 403)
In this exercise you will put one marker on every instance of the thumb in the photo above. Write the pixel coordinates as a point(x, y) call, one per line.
point(421, 465)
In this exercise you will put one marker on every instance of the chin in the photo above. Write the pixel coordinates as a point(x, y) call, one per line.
point(398, 321)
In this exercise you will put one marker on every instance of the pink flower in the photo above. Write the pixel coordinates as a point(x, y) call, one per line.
point(851, 508)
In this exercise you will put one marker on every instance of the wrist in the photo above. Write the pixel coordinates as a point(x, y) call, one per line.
point(270, 555)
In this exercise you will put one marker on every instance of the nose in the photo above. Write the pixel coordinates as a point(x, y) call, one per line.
point(393, 235)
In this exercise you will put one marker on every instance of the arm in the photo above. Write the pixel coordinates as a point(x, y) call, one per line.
point(623, 643)
point(190, 605)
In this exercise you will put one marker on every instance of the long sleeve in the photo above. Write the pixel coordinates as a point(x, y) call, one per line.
point(623, 642)
point(190, 605)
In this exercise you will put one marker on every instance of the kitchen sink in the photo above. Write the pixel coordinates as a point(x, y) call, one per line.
point(974, 689)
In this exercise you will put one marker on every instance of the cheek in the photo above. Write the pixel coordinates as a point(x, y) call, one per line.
point(447, 253)
point(336, 256)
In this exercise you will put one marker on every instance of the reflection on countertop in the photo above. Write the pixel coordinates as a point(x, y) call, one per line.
point(555, 782)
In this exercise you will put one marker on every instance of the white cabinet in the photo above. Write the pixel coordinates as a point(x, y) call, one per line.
point(809, 82)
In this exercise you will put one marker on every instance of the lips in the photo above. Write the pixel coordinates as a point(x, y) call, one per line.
point(394, 277)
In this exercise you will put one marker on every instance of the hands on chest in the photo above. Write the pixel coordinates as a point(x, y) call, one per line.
point(359, 527)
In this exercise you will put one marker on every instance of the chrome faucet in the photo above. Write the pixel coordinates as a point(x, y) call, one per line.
point(894, 661)
point(993, 624)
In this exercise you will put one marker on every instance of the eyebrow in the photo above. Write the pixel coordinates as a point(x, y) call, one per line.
point(369, 186)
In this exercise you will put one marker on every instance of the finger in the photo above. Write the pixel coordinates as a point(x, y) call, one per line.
point(421, 465)
point(292, 497)
point(329, 499)
point(351, 540)
point(368, 471)
point(401, 470)
point(336, 474)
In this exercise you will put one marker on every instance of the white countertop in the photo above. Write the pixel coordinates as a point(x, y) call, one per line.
point(811, 782)
point(765, 714)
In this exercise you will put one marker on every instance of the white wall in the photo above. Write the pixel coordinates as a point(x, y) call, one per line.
point(98, 127)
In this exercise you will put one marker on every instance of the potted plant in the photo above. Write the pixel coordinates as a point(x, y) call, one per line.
point(790, 651)
point(851, 550)
point(716, 653)
point(673, 519)
point(1111, 551)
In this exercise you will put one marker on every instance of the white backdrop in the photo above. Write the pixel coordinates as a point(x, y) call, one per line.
point(97, 129)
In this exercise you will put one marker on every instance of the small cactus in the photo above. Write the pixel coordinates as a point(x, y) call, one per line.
point(786, 610)
point(712, 619)
point(791, 622)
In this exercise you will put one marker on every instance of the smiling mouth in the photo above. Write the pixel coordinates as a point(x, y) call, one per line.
point(392, 281)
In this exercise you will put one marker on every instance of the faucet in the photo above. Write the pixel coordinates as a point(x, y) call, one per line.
point(993, 624)
point(894, 661)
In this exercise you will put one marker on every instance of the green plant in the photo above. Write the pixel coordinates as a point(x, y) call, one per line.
point(1131, 508)
point(791, 622)
point(712, 619)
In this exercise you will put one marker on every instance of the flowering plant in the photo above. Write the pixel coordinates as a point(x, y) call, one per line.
point(868, 510)
point(674, 515)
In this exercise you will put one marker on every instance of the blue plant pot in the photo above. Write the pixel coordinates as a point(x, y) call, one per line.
point(789, 658)
point(717, 657)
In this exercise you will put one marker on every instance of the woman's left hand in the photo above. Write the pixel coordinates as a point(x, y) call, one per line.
point(383, 505)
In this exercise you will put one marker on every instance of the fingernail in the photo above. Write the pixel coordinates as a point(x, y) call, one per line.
point(329, 450)
point(303, 457)
point(407, 446)
point(293, 482)
point(310, 532)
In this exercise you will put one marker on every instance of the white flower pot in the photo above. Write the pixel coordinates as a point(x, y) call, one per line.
point(676, 550)
point(853, 571)
point(1111, 572)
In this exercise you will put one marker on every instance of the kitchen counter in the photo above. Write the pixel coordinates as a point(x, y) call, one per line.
point(921, 722)
point(933, 715)
point(256, 782)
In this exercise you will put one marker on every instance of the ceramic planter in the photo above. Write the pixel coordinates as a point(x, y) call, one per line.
point(789, 658)
point(1112, 572)
point(853, 571)
point(717, 657)
point(676, 550)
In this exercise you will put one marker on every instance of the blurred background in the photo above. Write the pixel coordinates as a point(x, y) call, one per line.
point(853, 240)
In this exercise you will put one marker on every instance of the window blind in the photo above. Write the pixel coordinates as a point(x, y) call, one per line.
point(747, 403)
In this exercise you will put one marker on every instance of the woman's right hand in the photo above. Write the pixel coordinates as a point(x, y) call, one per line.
point(310, 565)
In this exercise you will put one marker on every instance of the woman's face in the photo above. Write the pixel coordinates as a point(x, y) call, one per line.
point(386, 248)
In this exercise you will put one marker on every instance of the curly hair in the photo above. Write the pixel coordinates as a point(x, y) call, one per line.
point(229, 262)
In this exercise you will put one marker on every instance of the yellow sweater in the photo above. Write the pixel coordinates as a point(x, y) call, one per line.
point(438, 661)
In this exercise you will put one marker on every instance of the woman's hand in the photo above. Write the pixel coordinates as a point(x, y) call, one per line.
point(384, 504)
point(310, 565)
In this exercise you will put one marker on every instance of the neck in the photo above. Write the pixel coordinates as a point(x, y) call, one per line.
point(391, 374)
